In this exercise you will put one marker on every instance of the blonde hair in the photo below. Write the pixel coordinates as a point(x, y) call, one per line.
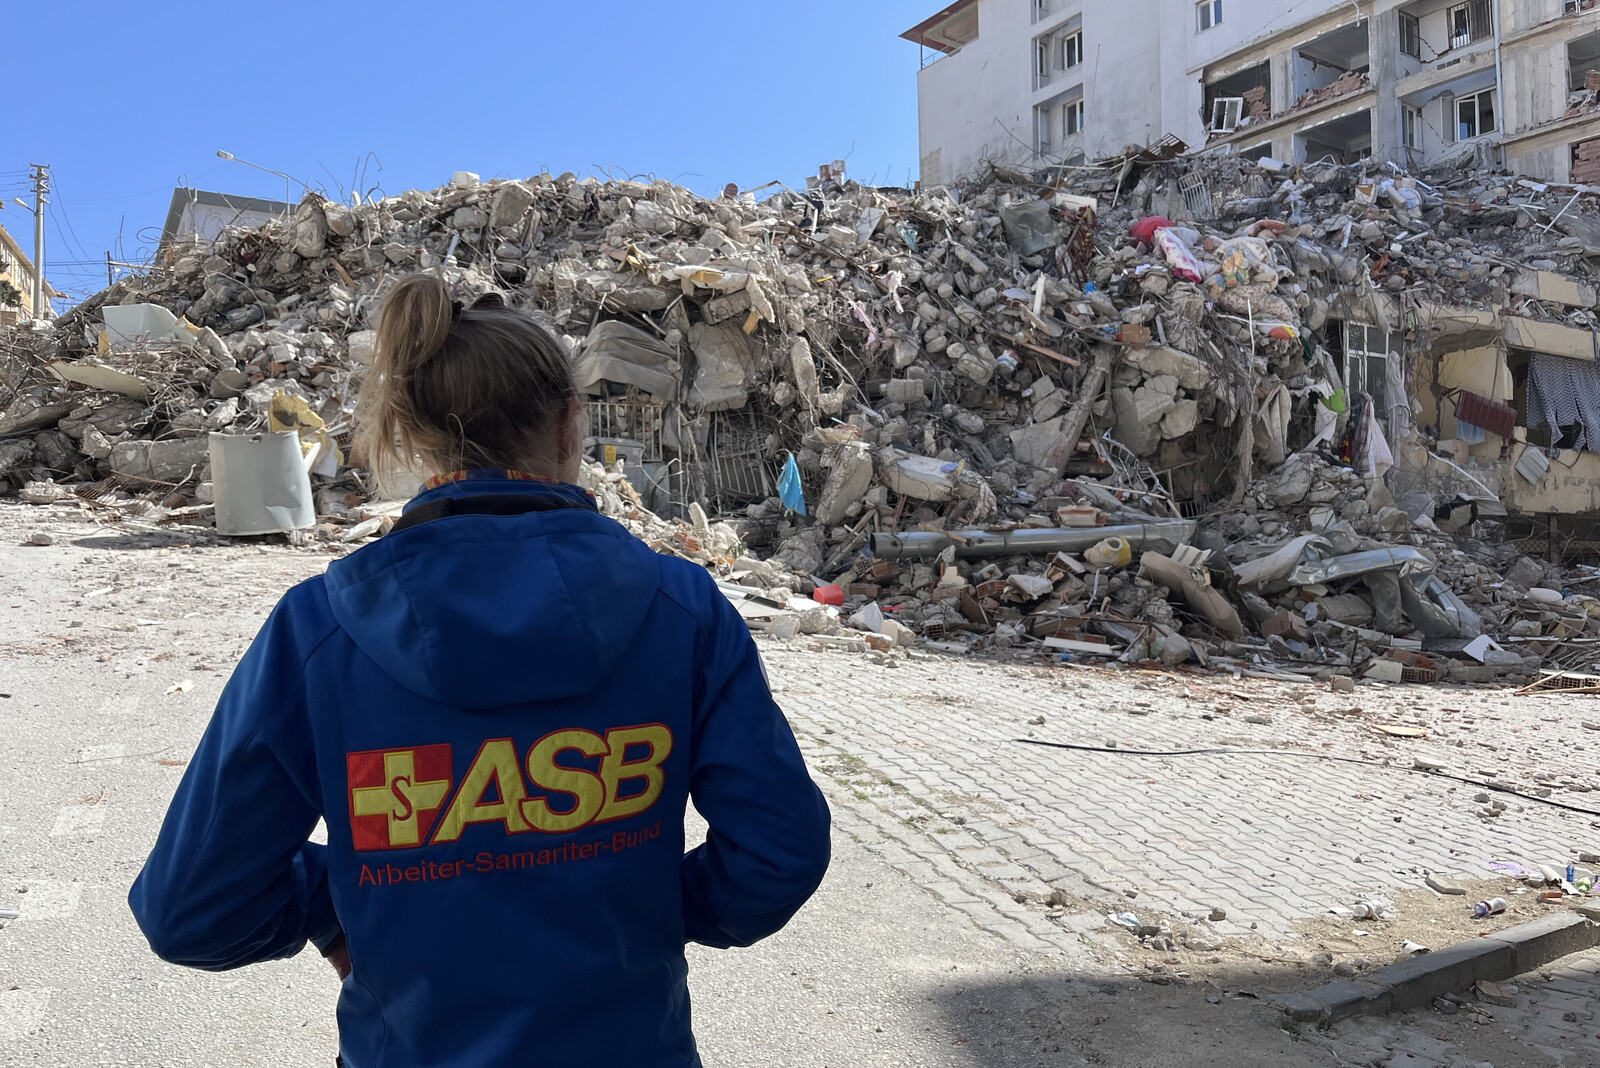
point(481, 386)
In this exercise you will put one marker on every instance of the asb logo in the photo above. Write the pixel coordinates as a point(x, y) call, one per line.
point(396, 794)
point(567, 780)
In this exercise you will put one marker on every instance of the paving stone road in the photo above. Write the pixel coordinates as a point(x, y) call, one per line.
point(930, 756)
point(965, 920)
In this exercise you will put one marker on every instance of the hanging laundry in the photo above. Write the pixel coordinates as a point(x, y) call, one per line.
point(1561, 393)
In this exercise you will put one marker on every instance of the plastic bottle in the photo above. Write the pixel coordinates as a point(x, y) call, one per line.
point(1572, 873)
point(1489, 908)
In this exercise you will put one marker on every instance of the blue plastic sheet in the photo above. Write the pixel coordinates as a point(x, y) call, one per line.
point(789, 491)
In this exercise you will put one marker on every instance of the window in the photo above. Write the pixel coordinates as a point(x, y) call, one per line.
point(1226, 111)
point(1410, 127)
point(1054, 54)
point(1410, 36)
point(1469, 22)
point(1041, 8)
point(1366, 363)
point(1210, 13)
point(1072, 117)
point(1059, 120)
point(1474, 115)
point(1071, 50)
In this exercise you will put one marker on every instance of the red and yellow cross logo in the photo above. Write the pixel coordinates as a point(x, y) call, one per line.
point(396, 794)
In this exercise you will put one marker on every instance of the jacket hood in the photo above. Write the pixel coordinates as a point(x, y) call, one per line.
point(481, 611)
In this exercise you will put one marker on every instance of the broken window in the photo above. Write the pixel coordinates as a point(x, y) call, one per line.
point(1210, 13)
point(1410, 127)
point(1475, 115)
point(1583, 57)
point(1250, 91)
point(1366, 362)
point(1225, 113)
point(1410, 36)
point(1469, 22)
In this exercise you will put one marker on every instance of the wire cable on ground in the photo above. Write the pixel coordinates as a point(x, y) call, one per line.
point(1497, 787)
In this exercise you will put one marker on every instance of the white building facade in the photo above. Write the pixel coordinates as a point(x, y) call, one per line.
point(1040, 82)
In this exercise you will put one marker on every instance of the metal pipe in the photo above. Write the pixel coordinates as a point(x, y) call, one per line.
point(1163, 537)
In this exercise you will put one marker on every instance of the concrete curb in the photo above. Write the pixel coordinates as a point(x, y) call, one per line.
point(1414, 983)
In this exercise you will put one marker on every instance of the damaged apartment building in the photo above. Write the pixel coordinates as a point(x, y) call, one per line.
point(1511, 83)
point(1226, 409)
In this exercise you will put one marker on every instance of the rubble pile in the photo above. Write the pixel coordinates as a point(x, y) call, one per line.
point(1095, 411)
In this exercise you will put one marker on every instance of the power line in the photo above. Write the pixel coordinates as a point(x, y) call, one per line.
point(61, 207)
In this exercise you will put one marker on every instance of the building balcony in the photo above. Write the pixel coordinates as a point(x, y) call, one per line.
point(1443, 71)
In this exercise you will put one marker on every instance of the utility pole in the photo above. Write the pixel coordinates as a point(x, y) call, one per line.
point(41, 186)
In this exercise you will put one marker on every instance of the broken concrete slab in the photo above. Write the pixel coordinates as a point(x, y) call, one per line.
point(1042, 445)
point(1557, 339)
point(172, 461)
point(1155, 360)
point(849, 478)
point(922, 478)
point(32, 411)
point(1553, 287)
point(722, 357)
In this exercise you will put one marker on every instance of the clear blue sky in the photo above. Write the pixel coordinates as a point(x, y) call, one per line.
point(127, 100)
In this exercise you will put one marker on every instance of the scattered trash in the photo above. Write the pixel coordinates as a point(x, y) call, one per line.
point(1377, 908)
point(1493, 906)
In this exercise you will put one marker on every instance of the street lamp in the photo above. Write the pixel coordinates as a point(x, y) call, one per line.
point(288, 197)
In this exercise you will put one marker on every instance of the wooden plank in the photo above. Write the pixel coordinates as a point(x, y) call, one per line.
point(1042, 351)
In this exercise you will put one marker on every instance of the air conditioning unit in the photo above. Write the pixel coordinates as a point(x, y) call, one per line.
point(1226, 112)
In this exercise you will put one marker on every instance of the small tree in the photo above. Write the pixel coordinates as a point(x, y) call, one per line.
point(10, 295)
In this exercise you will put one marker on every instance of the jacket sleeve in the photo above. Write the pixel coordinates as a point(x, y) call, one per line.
point(232, 879)
point(768, 846)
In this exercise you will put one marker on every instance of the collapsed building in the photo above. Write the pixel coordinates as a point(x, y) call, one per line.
point(1316, 418)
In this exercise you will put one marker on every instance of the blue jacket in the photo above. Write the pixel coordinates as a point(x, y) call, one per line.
point(500, 718)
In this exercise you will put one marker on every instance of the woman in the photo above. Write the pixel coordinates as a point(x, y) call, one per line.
point(500, 709)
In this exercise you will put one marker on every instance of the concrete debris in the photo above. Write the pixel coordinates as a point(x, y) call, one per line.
point(1035, 414)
